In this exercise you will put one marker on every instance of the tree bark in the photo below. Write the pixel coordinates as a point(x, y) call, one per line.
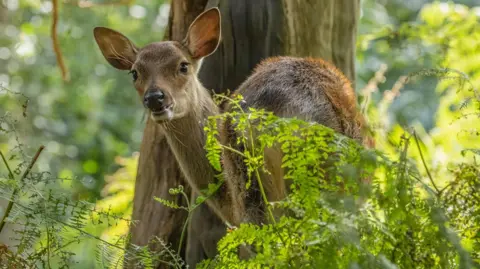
point(251, 31)
point(325, 29)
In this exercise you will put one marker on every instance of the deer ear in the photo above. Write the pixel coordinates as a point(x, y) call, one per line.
point(203, 35)
point(119, 51)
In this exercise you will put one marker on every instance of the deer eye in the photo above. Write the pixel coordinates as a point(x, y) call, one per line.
point(184, 67)
point(134, 74)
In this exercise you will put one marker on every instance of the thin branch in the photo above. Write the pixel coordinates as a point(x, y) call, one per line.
point(425, 164)
point(48, 247)
point(15, 191)
point(190, 210)
point(56, 46)
point(10, 174)
point(10, 203)
point(372, 86)
point(184, 230)
point(234, 150)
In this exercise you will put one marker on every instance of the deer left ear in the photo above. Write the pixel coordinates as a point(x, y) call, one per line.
point(203, 36)
point(117, 49)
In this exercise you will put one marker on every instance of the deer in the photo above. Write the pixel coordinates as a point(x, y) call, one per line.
point(165, 78)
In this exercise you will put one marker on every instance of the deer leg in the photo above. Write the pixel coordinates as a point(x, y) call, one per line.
point(204, 231)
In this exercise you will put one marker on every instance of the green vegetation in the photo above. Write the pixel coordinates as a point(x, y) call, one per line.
point(355, 207)
point(421, 208)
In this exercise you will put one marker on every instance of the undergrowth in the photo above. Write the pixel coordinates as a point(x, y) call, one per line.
point(46, 225)
point(412, 203)
point(351, 207)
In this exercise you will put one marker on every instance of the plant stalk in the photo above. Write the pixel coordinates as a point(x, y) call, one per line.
point(15, 191)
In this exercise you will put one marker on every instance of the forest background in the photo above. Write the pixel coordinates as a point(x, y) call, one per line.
point(418, 65)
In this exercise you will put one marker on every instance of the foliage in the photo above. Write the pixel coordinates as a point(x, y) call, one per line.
point(338, 221)
point(88, 121)
point(420, 210)
point(408, 218)
point(409, 37)
point(49, 228)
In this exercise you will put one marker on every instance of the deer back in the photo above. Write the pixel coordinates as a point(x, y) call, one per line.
point(308, 89)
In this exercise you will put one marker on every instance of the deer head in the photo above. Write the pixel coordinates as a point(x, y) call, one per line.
point(165, 73)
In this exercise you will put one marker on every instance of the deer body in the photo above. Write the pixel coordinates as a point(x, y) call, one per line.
point(305, 88)
point(164, 75)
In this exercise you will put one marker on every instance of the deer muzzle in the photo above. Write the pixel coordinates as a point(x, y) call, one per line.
point(154, 100)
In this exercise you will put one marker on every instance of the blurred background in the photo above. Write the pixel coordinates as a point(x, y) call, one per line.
point(92, 125)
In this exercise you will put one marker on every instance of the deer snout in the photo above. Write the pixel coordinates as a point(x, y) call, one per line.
point(154, 100)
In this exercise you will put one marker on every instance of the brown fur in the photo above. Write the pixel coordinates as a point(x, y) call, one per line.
point(305, 88)
point(309, 89)
point(158, 69)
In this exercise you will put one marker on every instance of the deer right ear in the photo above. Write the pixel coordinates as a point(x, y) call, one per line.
point(116, 48)
point(203, 36)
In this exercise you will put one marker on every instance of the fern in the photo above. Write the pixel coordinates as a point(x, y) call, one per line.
point(338, 220)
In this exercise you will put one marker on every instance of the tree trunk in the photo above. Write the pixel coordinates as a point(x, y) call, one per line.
point(325, 29)
point(251, 31)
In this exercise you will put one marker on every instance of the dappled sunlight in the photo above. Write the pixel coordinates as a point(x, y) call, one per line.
point(410, 202)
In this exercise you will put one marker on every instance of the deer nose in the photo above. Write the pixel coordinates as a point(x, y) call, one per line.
point(153, 100)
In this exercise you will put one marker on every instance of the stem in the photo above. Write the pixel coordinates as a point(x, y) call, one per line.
point(183, 232)
point(186, 221)
point(425, 164)
point(264, 196)
point(259, 180)
point(186, 200)
point(234, 150)
point(10, 174)
point(232, 101)
point(48, 247)
point(15, 191)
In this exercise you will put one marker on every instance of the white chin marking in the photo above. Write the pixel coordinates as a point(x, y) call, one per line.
point(165, 116)
point(169, 114)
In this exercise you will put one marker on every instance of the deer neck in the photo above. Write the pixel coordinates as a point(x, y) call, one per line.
point(187, 140)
